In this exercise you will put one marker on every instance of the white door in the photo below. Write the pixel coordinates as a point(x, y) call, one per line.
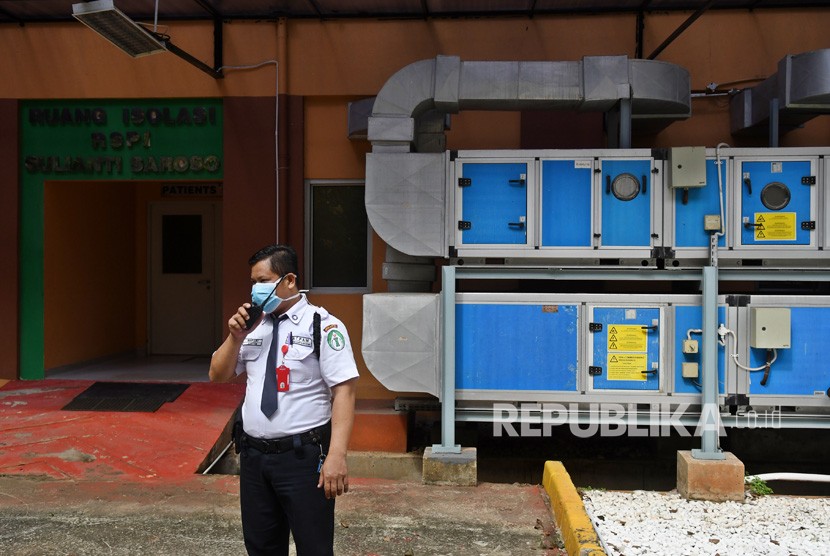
point(182, 290)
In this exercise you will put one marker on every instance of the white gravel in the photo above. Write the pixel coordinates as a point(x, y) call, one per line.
point(643, 522)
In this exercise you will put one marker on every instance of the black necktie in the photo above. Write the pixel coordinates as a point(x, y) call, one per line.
point(268, 404)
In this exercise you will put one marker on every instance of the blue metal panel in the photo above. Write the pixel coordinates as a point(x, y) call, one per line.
point(495, 199)
point(611, 353)
point(626, 223)
point(691, 318)
point(761, 174)
point(688, 227)
point(516, 347)
point(566, 204)
point(804, 368)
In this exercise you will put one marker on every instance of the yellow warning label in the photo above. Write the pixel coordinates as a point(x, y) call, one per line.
point(775, 226)
point(627, 337)
point(627, 366)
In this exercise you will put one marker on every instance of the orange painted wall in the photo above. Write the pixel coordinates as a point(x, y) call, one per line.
point(328, 63)
point(89, 271)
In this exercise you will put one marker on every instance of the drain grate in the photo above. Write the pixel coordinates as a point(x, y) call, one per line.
point(126, 396)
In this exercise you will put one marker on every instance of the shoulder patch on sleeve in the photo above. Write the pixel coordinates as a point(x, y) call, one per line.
point(335, 340)
point(329, 327)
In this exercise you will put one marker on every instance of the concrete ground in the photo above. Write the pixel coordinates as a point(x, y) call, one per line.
point(201, 516)
point(113, 483)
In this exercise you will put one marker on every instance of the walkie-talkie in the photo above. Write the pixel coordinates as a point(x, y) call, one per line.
point(254, 312)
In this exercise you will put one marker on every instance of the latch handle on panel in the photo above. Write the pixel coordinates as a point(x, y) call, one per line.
point(516, 225)
point(519, 182)
point(748, 183)
point(608, 184)
point(643, 185)
point(653, 326)
point(748, 224)
point(653, 370)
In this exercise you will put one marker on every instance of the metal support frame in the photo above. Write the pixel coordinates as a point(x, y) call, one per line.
point(710, 278)
point(448, 445)
point(683, 26)
point(218, 41)
point(625, 123)
point(187, 57)
point(774, 121)
point(710, 413)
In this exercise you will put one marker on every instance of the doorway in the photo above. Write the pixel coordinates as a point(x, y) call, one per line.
point(183, 290)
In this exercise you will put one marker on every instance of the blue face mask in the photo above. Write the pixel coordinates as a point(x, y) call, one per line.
point(264, 294)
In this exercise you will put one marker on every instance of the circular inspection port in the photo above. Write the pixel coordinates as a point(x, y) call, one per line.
point(625, 187)
point(775, 195)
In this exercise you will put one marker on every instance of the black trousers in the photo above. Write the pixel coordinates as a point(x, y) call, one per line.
point(278, 493)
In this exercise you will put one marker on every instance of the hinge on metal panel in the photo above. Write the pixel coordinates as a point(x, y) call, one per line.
point(594, 327)
point(655, 170)
point(737, 300)
point(662, 253)
point(737, 399)
point(594, 371)
point(808, 225)
point(808, 180)
point(464, 224)
point(465, 182)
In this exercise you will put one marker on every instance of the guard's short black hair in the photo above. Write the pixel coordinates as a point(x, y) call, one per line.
point(283, 259)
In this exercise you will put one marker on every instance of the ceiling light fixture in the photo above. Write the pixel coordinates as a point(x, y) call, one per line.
point(111, 23)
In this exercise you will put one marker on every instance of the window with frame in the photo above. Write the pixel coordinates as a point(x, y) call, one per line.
point(338, 236)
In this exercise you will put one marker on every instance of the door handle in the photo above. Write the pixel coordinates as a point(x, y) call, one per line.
point(516, 225)
point(651, 372)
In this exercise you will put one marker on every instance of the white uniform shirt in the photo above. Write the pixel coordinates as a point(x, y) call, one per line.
point(307, 403)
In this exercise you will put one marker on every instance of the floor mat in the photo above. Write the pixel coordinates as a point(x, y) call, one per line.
point(125, 396)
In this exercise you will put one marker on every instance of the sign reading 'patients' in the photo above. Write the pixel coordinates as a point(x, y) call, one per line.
point(123, 139)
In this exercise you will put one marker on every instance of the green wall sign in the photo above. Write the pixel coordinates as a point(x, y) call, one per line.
point(92, 139)
point(113, 140)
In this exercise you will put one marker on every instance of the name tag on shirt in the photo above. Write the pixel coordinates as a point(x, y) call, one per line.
point(252, 342)
point(304, 341)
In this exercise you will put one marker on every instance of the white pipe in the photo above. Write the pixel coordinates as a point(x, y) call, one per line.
point(807, 477)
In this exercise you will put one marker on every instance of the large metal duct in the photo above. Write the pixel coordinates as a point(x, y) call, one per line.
point(796, 93)
point(406, 170)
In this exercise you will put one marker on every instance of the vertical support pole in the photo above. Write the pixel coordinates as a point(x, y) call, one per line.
point(709, 424)
point(448, 444)
point(625, 123)
point(773, 122)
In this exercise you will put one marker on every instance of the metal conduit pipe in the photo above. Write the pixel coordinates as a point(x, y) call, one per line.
point(799, 91)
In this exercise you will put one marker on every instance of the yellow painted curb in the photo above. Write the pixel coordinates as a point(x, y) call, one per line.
point(576, 528)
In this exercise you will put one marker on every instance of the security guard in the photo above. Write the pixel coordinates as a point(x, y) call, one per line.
point(298, 410)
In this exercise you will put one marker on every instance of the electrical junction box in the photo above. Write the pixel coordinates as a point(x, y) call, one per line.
point(690, 346)
point(769, 328)
point(690, 370)
point(711, 222)
point(687, 167)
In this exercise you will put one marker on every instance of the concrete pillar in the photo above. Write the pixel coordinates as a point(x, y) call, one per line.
point(447, 468)
point(713, 480)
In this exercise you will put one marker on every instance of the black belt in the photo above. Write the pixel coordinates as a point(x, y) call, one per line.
point(279, 445)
